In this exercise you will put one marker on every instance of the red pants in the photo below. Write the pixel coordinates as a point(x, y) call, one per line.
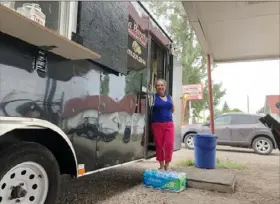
point(164, 140)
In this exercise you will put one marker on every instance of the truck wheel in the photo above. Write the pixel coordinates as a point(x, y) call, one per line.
point(189, 141)
point(29, 174)
point(262, 145)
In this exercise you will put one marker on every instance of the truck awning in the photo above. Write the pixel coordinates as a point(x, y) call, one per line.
point(236, 31)
point(18, 26)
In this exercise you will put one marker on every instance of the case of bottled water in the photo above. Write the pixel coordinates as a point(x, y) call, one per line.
point(165, 180)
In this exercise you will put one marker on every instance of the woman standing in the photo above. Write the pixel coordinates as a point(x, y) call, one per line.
point(162, 125)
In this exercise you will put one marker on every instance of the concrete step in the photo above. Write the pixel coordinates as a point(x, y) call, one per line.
point(220, 180)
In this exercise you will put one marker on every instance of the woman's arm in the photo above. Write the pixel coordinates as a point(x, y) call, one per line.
point(173, 107)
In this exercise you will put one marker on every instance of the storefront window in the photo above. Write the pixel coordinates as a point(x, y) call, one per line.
point(55, 15)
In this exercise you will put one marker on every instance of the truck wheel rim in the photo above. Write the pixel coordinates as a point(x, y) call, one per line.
point(262, 146)
point(26, 183)
point(190, 141)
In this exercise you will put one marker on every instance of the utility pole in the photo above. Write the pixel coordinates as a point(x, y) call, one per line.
point(248, 104)
point(211, 108)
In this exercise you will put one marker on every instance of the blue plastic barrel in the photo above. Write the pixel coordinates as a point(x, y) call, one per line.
point(205, 151)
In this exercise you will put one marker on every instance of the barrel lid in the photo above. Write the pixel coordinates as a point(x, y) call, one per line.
point(206, 135)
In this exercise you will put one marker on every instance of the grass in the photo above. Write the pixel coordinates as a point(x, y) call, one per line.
point(220, 164)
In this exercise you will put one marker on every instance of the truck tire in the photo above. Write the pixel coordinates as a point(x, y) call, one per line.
point(29, 174)
point(262, 145)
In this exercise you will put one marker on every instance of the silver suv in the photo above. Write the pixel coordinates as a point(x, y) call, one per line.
point(235, 130)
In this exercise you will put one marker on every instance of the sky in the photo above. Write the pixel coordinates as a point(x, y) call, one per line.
point(255, 79)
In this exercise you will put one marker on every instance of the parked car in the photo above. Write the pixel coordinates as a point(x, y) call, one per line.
point(235, 130)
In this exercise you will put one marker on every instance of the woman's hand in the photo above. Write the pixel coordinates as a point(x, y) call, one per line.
point(173, 107)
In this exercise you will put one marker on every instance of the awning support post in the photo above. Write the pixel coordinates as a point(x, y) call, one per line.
point(210, 96)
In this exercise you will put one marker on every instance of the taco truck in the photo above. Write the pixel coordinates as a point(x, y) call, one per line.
point(75, 83)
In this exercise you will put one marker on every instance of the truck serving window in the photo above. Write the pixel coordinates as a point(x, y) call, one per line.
point(55, 15)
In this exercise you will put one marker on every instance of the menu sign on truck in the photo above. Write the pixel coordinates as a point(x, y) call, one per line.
point(137, 45)
point(135, 32)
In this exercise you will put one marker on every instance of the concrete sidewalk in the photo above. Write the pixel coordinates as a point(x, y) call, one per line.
point(221, 180)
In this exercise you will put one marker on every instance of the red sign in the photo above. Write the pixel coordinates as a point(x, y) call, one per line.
point(194, 91)
point(134, 31)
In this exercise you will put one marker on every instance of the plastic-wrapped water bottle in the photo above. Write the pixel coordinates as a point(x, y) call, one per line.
point(165, 180)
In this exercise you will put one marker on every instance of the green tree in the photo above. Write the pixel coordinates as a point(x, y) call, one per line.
point(226, 108)
point(235, 110)
point(261, 110)
point(219, 112)
point(188, 51)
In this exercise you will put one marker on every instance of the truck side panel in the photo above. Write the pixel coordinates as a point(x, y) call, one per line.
point(102, 112)
point(97, 111)
point(31, 90)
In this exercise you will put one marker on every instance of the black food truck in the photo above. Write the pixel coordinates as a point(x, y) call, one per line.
point(75, 82)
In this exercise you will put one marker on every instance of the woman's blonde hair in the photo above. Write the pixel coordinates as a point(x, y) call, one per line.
point(162, 80)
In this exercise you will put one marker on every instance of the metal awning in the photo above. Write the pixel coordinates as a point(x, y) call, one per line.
point(18, 26)
point(236, 31)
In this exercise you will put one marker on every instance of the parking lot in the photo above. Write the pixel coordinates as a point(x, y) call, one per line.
point(258, 183)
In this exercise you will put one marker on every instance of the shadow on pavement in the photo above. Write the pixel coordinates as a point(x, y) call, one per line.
point(99, 186)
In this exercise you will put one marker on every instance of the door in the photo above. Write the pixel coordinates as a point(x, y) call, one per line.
point(242, 128)
point(176, 76)
point(222, 129)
